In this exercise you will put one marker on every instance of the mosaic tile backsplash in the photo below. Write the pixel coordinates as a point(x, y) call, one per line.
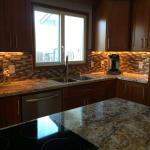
point(129, 62)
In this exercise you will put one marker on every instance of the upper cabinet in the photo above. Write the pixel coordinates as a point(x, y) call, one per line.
point(15, 26)
point(111, 25)
point(140, 25)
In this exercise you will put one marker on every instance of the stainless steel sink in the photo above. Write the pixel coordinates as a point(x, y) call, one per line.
point(64, 80)
point(82, 78)
point(75, 79)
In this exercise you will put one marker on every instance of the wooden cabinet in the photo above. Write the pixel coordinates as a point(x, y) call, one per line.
point(15, 25)
point(4, 33)
point(118, 26)
point(140, 25)
point(10, 111)
point(112, 25)
point(147, 99)
point(131, 91)
point(80, 95)
point(75, 96)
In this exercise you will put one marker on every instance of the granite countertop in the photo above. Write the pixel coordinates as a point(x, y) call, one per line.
point(124, 76)
point(28, 86)
point(113, 124)
point(36, 85)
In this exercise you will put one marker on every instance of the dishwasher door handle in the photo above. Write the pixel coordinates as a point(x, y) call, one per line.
point(41, 99)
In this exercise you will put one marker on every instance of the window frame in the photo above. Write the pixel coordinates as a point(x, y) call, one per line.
point(62, 12)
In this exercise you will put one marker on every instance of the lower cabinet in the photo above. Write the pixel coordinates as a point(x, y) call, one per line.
point(80, 95)
point(10, 111)
point(131, 91)
point(14, 109)
point(147, 99)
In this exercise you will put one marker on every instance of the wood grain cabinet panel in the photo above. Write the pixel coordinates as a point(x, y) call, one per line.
point(118, 26)
point(16, 26)
point(76, 96)
point(131, 91)
point(10, 111)
point(5, 39)
point(111, 25)
point(140, 25)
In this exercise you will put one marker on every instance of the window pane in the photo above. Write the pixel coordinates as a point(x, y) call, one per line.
point(47, 36)
point(74, 38)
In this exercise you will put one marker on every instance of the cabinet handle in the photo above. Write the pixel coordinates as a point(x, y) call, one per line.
point(84, 102)
point(146, 42)
point(10, 38)
point(143, 93)
point(18, 107)
point(142, 43)
point(41, 99)
point(87, 101)
point(108, 40)
point(16, 41)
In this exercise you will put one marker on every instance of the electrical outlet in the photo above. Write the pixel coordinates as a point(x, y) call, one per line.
point(92, 64)
point(11, 69)
point(141, 64)
point(146, 60)
point(102, 63)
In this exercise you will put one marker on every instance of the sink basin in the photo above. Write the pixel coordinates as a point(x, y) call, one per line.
point(63, 80)
point(82, 78)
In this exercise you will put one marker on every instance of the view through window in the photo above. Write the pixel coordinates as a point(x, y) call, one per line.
point(57, 35)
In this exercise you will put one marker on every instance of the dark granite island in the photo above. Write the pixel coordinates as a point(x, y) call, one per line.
point(111, 125)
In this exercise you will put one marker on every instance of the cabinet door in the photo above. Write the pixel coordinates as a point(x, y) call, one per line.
point(10, 112)
point(147, 40)
point(97, 93)
point(15, 25)
point(140, 25)
point(120, 89)
point(5, 34)
point(102, 90)
point(75, 96)
point(135, 92)
point(110, 89)
point(22, 32)
point(73, 102)
point(131, 91)
point(118, 25)
point(147, 95)
point(111, 25)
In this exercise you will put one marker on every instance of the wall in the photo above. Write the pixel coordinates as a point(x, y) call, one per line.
point(24, 70)
point(129, 61)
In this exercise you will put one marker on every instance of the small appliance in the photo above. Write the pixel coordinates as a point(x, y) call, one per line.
point(114, 64)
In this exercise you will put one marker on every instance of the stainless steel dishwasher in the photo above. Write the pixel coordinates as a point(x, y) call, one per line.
point(41, 104)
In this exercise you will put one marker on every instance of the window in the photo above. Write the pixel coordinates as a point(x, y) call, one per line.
point(59, 34)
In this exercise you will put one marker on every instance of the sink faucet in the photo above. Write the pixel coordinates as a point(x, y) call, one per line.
point(66, 69)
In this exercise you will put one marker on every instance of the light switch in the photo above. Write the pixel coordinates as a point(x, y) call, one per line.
point(141, 64)
point(92, 64)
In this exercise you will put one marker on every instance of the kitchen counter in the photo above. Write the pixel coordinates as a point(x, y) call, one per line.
point(112, 124)
point(36, 85)
point(124, 76)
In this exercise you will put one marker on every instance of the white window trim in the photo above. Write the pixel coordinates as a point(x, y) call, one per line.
point(61, 45)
